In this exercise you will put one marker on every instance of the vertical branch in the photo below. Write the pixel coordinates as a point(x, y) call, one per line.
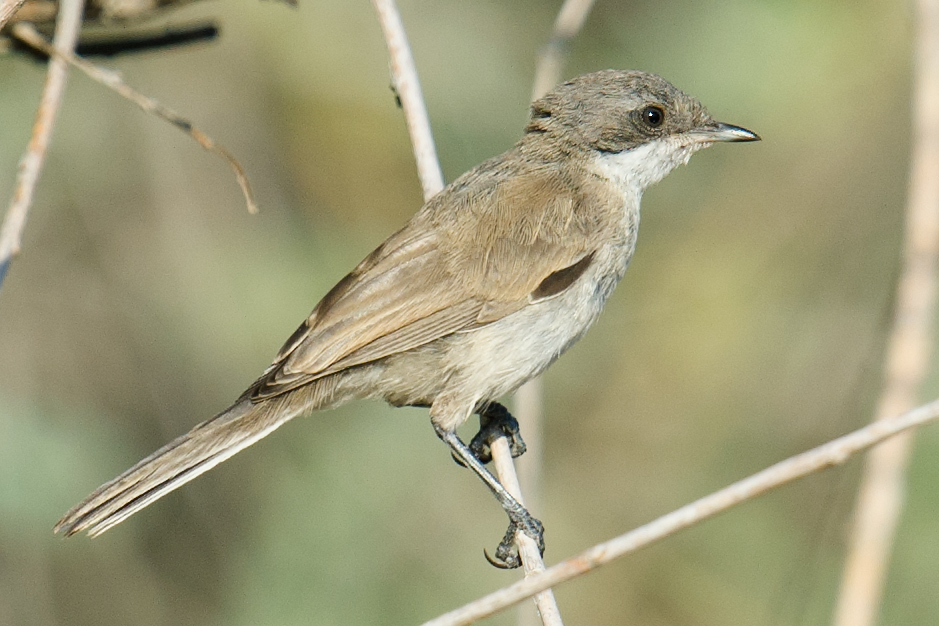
point(880, 501)
point(408, 88)
point(409, 91)
point(527, 549)
point(8, 9)
point(551, 59)
point(68, 23)
point(528, 405)
point(528, 399)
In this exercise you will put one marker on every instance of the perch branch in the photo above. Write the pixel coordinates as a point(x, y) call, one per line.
point(528, 405)
point(880, 500)
point(408, 88)
point(67, 26)
point(527, 549)
point(27, 34)
point(833, 453)
point(529, 399)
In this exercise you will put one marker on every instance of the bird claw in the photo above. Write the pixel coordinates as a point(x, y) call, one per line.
point(495, 421)
point(507, 556)
point(504, 561)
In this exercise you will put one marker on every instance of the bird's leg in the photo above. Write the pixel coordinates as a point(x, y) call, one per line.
point(519, 518)
point(494, 421)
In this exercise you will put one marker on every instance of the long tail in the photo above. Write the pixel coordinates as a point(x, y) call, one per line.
point(175, 464)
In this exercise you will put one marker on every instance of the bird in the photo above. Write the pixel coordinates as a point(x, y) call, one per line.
point(480, 291)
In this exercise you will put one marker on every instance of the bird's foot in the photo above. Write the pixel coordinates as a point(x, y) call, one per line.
point(507, 556)
point(520, 519)
point(495, 421)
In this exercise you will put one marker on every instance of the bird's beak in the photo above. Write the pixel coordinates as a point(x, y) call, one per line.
point(723, 132)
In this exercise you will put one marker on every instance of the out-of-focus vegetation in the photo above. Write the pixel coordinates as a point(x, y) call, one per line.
point(750, 325)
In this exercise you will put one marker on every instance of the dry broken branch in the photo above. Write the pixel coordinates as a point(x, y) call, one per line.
point(551, 58)
point(527, 549)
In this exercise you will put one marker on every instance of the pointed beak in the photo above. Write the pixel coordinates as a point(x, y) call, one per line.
point(724, 132)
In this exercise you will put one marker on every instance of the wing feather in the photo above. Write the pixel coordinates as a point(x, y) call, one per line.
point(423, 331)
point(465, 260)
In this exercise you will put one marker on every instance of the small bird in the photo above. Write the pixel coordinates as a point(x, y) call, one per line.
point(490, 282)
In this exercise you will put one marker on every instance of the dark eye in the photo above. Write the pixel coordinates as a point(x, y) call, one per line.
point(653, 116)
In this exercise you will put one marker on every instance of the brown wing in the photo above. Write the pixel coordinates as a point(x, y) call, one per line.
point(380, 308)
point(472, 255)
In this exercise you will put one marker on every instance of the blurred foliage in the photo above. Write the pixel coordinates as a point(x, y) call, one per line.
point(749, 327)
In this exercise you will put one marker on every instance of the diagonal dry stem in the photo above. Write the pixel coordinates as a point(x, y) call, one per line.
point(111, 79)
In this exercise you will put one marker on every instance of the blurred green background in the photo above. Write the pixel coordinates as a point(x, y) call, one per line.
point(750, 325)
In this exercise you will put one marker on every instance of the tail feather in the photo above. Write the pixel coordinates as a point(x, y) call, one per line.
point(175, 464)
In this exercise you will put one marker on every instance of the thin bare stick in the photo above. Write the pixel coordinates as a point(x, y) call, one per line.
point(528, 409)
point(528, 550)
point(111, 79)
point(883, 485)
point(8, 9)
point(408, 87)
point(528, 405)
point(67, 25)
point(551, 59)
point(833, 453)
point(529, 399)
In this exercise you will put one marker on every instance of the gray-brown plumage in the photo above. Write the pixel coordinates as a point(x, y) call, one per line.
point(484, 287)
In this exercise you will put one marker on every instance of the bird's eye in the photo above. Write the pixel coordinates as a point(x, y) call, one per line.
point(653, 116)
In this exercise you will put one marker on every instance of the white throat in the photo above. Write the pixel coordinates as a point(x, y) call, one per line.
point(634, 170)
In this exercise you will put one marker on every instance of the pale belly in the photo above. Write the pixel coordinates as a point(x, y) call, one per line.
point(466, 369)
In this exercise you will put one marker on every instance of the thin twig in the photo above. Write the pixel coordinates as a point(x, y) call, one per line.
point(881, 496)
point(527, 549)
point(528, 405)
point(111, 79)
point(8, 9)
point(529, 399)
point(67, 26)
point(569, 21)
point(408, 88)
point(528, 409)
point(833, 453)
